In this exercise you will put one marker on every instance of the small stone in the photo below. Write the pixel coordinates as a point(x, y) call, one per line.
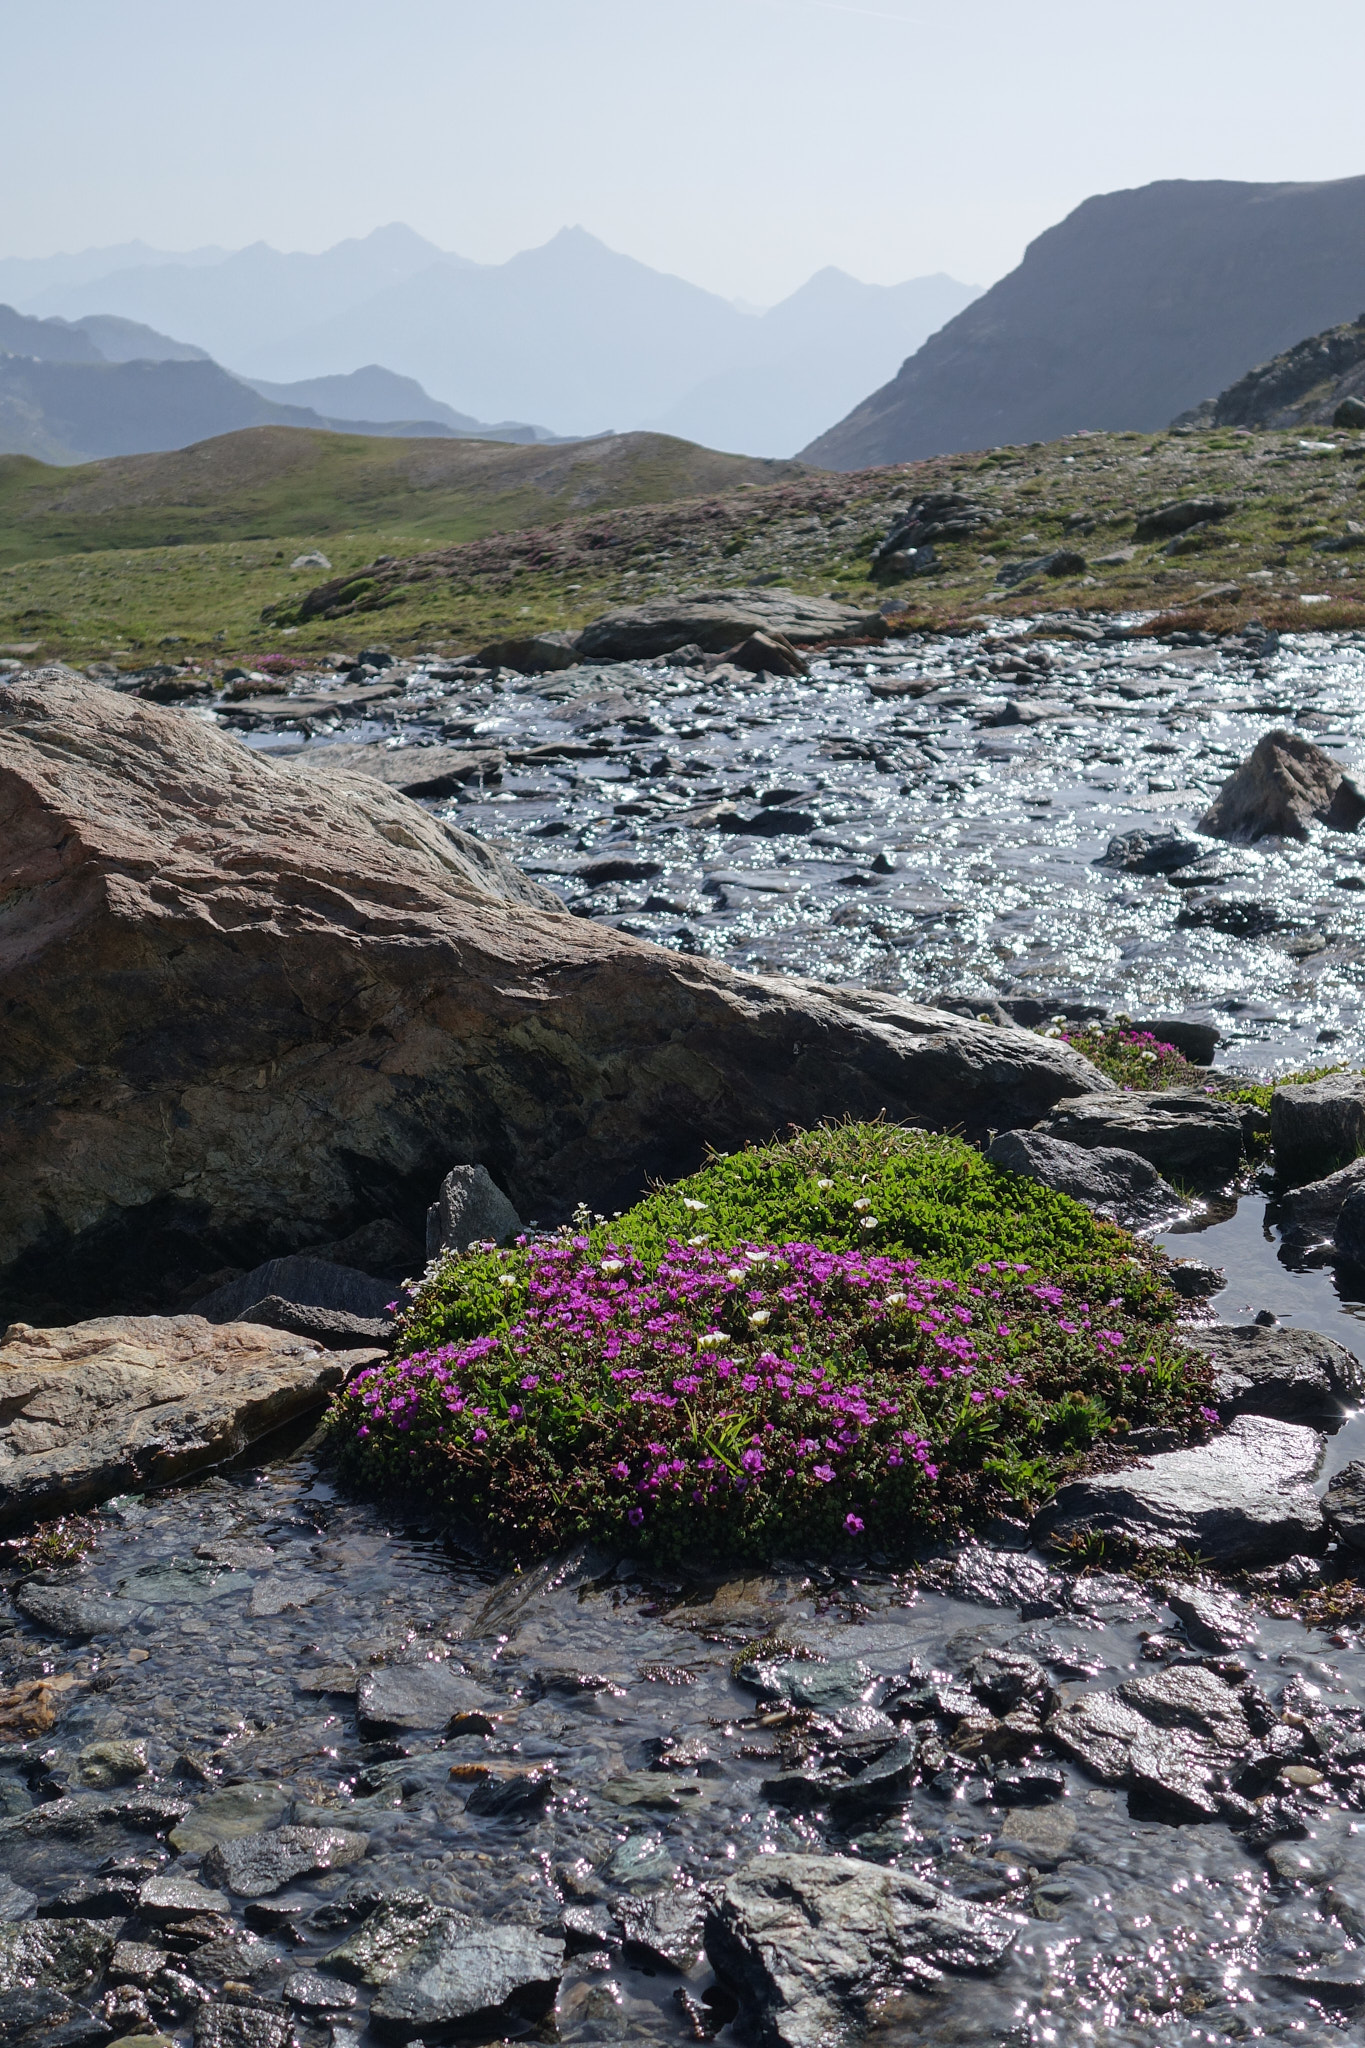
point(76, 1612)
point(310, 1992)
point(1344, 1504)
point(397, 1698)
point(1147, 852)
point(485, 1978)
point(227, 1814)
point(167, 1899)
point(218, 2024)
point(103, 1764)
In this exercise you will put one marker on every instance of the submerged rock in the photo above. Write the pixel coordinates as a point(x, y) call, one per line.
point(126, 1402)
point(1284, 785)
point(1120, 1185)
point(197, 915)
point(1297, 1375)
point(398, 1697)
point(809, 1943)
point(1244, 1499)
point(252, 1866)
point(1191, 1138)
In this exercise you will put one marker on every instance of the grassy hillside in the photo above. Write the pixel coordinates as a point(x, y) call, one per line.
point(812, 531)
point(285, 481)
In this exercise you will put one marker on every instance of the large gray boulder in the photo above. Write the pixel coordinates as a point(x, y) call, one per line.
point(809, 1943)
point(1307, 1216)
point(1119, 1185)
point(470, 1209)
point(471, 1977)
point(1318, 1125)
point(1191, 1138)
point(247, 1012)
point(1285, 785)
point(1246, 1498)
point(127, 1402)
point(312, 1283)
point(1296, 1375)
point(715, 620)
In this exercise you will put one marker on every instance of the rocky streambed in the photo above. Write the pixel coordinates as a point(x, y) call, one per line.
point(919, 817)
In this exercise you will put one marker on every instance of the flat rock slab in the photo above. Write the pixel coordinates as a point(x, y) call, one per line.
point(1246, 1498)
point(1296, 1375)
point(471, 1977)
point(1193, 1139)
point(401, 1697)
point(716, 620)
point(126, 1402)
point(429, 773)
point(1119, 1185)
point(808, 1943)
point(76, 1611)
point(253, 1866)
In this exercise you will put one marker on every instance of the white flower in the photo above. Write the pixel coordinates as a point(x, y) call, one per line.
point(862, 1203)
point(734, 1273)
point(698, 1208)
point(756, 1258)
point(824, 1183)
point(712, 1341)
point(613, 1265)
point(894, 1301)
point(507, 1279)
point(703, 1239)
point(869, 1223)
point(760, 1316)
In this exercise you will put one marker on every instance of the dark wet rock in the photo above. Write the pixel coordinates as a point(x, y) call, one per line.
point(1179, 516)
point(1285, 784)
point(1195, 1041)
point(218, 2024)
point(1212, 1620)
point(668, 1927)
point(1350, 1232)
point(799, 1682)
point(1190, 1138)
point(126, 1402)
point(1148, 851)
point(365, 912)
point(1005, 1679)
point(393, 1931)
point(521, 1792)
point(92, 1898)
point(1307, 1216)
point(1171, 1739)
point(1344, 1504)
point(1195, 1281)
point(533, 654)
point(809, 1943)
point(162, 1900)
point(471, 1977)
point(716, 620)
point(1118, 1184)
point(15, 1902)
point(1246, 1498)
point(1316, 1126)
point(398, 1697)
point(54, 1955)
point(471, 1208)
point(1031, 1785)
point(308, 1991)
point(312, 1283)
point(76, 1612)
point(1001, 1578)
point(1297, 1375)
point(80, 1813)
point(255, 1865)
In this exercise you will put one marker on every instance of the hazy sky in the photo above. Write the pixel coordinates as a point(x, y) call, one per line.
point(740, 143)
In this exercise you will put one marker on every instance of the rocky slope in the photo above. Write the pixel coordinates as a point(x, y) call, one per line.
point(246, 1013)
point(1134, 307)
point(1302, 386)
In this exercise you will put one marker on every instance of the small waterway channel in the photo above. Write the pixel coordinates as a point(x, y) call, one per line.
point(235, 1632)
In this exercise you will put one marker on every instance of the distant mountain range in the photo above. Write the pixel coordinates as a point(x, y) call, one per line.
point(1136, 307)
point(572, 333)
point(75, 391)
